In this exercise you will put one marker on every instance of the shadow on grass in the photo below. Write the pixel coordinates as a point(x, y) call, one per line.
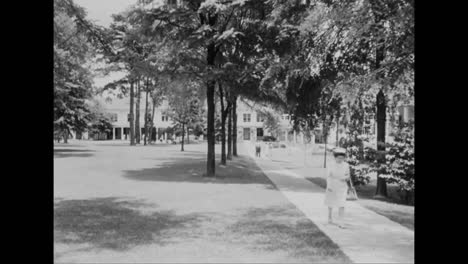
point(322, 182)
point(67, 153)
point(110, 223)
point(284, 228)
point(191, 167)
point(68, 145)
point(396, 214)
point(127, 144)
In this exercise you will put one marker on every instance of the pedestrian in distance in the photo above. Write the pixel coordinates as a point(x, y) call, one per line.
point(338, 174)
point(258, 149)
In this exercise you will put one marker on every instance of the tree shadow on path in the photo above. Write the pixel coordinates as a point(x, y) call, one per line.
point(284, 228)
point(191, 167)
point(67, 153)
point(111, 223)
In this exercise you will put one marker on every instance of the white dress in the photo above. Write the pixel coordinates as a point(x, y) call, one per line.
point(337, 188)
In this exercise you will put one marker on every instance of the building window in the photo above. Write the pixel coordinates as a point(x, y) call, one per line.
point(246, 118)
point(260, 117)
point(113, 117)
point(259, 132)
point(165, 118)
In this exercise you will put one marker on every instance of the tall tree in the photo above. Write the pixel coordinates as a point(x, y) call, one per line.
point(234, 126)
point(72, 78)
point(132, 115)
point(225, 108)
point(137, 111)
point(184, 103)
point(356, 46)
point(147, 118)
point(200, 28)
point(229, 133)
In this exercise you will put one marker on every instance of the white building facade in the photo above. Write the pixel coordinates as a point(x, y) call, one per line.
point(250, 123)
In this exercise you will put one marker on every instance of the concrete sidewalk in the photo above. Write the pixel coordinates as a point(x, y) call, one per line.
point(368, 236)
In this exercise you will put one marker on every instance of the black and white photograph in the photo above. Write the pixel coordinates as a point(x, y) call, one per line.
point(233, 131)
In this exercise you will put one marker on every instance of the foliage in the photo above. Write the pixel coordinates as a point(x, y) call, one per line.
point(100, 124)
point(271, 122)
point(314, 59)
point(99, 120)
point(399, 160)
point(360, 167)
point(185, 106)
point(72, 78)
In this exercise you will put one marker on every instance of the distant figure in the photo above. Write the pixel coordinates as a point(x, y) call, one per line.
point(338, 174)
point(258, 149)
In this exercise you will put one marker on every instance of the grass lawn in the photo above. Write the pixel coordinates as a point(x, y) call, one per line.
point(121, 204)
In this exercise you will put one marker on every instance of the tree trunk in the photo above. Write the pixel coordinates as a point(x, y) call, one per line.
point(223, 125)
point(234, 127)
point(132, 123)
point(137, 114)
point(146, 112)
point(65, 136)
point(210, 130)
point(150, 134)
point(377, 8)
point(325, 156)
point(361, 125)
point(381, 190)
point(183, 134)
point(210, 91)
point(229, 135)
point(223, 140)
point(337, 129)
point(152, 122)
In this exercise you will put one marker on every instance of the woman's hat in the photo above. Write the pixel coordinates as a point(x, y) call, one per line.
point(339, 151)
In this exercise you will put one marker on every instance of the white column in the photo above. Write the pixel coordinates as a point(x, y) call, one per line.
point(294, 135)
point(165, 135)
point(113, 132)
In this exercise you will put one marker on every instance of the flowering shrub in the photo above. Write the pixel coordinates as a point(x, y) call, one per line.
point(360, 169)
point(399, 162)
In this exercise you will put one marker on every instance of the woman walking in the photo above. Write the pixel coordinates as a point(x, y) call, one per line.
point(338, 174)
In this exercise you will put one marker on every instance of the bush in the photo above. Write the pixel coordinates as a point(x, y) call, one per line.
point(360, 169)
point(399, 162)
point(359, 158)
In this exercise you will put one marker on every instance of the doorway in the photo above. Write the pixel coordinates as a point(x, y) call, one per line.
point(126, 133)
point(118, 133)
point(246, 133)
point(259, 133)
